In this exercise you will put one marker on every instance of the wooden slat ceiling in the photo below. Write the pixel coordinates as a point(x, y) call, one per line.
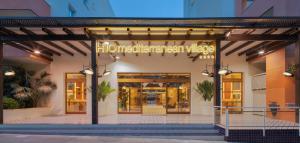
point(71, 48)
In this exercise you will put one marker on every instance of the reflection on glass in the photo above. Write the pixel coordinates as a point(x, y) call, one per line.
point(129, 97)
point(75, 93)
point(153, 93)
point(232, 91)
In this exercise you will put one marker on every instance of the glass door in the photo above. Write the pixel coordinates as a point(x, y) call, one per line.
point(75, 93)
point(154, 98)
point(178, 100)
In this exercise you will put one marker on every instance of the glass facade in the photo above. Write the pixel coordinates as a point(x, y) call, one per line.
point(153, 93)
point(75, 93)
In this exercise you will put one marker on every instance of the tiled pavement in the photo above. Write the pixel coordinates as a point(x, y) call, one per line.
point(237, 121)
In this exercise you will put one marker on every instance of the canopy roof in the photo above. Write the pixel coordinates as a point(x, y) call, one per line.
point(68, 35)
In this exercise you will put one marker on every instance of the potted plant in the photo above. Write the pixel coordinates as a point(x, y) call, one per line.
point(37, 88)
point(104, 89)
point(123, 99)
point(274, 107)
point(206, 89)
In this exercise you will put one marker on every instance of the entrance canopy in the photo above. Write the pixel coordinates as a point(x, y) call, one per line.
point(60, 35)
point(46, 37)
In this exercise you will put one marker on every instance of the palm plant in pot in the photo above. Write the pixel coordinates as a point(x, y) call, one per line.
point(104, 89)
point(37, 88)
point(206, 89)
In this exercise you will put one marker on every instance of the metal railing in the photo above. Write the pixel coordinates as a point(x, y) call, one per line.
point(259, 118)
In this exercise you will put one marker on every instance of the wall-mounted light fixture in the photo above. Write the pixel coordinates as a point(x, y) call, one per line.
point(87, 70)
point(224, 70)
point(106, 72)
point(206, 72)
point(9, 71)
point(290, 72)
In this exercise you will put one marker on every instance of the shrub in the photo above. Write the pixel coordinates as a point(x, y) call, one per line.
point(10, 103)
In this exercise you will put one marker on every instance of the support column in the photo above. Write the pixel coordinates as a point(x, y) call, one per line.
point(94, 83)
point(217, 78)
point(1, 82)
point(217, 83)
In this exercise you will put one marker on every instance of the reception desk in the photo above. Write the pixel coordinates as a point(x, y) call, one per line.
point(154, 110)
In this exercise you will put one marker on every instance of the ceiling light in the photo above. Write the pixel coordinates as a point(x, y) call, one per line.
point(260, 52)
point(37, 51)
point(288, 74)
point(228, 34)
point(10, 73)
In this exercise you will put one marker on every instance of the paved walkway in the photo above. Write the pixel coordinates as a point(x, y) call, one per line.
point(237, 121)
point(7, 138)
point(118, 119)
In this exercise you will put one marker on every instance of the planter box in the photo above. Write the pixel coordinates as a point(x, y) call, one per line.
point(19, 115)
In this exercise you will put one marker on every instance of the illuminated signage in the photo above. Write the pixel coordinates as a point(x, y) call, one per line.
point(203, 49)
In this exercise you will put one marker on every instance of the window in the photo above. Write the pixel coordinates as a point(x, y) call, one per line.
point(86, 2)
point(268, 13)
point(75, 89)
point(232, 91)
point(247, 3)
point(72, 11)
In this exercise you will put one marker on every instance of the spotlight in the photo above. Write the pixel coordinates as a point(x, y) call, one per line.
point(228, 34)
point(37, 51)
point(291, 70)
point(260, 52)
point(87, 71)
point(205, 73)
point(288, 74)
point(10, 73)
point(106, 72)
point(224, 71)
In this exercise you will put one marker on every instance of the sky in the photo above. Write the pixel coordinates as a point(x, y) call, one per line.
point(147, 8)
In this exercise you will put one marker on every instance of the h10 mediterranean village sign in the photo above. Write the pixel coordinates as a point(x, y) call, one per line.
point(203, 49)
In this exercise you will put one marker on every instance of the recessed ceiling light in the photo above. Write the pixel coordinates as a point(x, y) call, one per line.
point(37, 51)
point(260, 52)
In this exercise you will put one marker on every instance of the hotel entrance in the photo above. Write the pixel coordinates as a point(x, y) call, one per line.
point(154, 93)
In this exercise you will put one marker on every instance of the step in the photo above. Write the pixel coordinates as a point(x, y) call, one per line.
point(177, 131)
point(106, 126)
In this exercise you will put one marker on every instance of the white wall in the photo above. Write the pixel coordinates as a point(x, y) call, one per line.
point(129, 63)
point(239, 64)
point(144, 63)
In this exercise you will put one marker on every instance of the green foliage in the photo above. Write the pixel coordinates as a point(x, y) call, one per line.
point(206, 89)
point(103, 90)
point(35, 89)
point(10, 103)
